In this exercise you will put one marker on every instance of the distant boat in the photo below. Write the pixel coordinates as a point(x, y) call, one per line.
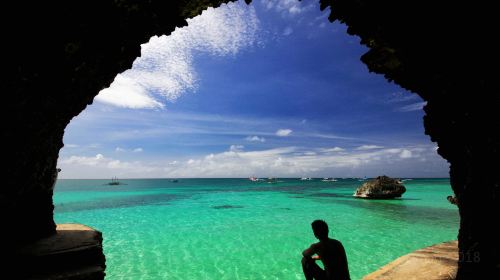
point(114, 182)
point(272, 180)
point(174, 180)
point(255, 179)
point(327, 179)
point(305, 179)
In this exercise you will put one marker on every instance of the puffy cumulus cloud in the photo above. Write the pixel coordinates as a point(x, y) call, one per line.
point(419, 161)
point(283, 132)
point(165, 70)
point(405, 154)
point(126, 91)
point(295, 162)
point(90, 161)
point(255, 139)
point(99, 166)
point(236, 148)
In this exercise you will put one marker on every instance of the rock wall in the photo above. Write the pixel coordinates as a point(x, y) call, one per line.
point(57, 56)
point(443, 52)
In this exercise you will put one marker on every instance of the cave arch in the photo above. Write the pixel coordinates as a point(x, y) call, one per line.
point(430, 50)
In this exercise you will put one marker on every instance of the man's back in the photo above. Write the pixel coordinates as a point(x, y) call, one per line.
point(330, 251)
point(334, 259)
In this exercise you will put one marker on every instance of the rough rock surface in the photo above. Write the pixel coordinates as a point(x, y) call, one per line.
point(381, 187)
point(74, 252)
point(437, 262)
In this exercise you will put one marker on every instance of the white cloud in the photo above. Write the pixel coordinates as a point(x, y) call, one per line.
point(290, 162)
point(283, 132)
point(71, 146)
point(277, 162)
point(100, 166)
point(334, 149)
point(368, 147)
point(165, 70)
point(236, 148)
point(81, 160)
point(285, 7)
point(405, 154)
point(125, 91)
point(255, 139)
point(288, 30)
point(412, 107)
point(136, 150)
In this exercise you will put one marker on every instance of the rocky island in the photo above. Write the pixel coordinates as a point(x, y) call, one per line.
point(382, 187)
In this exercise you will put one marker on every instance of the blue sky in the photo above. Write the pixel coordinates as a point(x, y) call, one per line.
point(269, 89)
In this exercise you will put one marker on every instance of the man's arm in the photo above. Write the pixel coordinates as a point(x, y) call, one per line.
point(309, 252)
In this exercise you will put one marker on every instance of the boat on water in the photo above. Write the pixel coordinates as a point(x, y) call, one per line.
point(306, 179)
point(255, 179)
point(272, 180)
point(327, 179)
point(114, 182)
point(174, 180)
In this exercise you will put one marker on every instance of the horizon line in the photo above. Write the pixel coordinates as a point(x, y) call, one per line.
point(161, 178)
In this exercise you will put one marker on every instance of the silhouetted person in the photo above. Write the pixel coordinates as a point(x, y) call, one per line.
point(452, 199)
point(329, 251)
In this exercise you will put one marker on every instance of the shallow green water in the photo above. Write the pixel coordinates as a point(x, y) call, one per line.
point(238, 229)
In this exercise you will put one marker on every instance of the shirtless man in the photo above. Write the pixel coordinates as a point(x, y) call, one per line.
point(329, 251)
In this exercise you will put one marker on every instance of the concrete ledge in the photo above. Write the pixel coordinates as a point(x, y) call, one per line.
point(75, 252)
point(437, 262)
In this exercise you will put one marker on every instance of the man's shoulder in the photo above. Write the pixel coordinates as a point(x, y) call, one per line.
point(315, 245)
point(335, 241)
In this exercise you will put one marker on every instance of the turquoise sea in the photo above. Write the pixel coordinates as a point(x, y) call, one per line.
point(239, 229)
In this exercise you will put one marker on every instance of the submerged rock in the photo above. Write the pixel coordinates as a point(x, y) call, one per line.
point(381, 187)
point(226, 206)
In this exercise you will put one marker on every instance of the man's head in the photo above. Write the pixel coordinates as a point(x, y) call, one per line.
point(320, 229)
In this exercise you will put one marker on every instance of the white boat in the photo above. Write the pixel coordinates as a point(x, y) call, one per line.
point(255, 179)
point(305, 179)
point(272, 180)
point(327, 179)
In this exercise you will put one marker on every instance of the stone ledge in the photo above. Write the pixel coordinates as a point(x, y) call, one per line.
point(75, 252)
point(437, 262)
